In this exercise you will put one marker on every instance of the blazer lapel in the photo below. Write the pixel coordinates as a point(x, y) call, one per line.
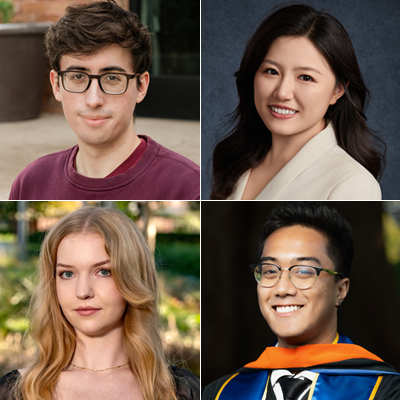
point(308, 155)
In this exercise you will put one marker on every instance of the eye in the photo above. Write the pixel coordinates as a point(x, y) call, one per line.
point(306, 78)
point(112, 78)
point(77, 77)
point(104, 272)
point(304, 271)
point(66, 275)
point(271, 71)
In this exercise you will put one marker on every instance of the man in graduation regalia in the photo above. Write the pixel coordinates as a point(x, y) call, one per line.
point(305, 254)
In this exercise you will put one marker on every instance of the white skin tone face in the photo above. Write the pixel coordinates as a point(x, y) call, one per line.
point(316, 319)
point(294, 74)
point(84, 280)
point(102, 122)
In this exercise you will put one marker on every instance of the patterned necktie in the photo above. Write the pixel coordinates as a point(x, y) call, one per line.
point(293, 387)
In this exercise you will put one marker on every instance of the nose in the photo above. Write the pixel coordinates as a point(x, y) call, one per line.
point(284, 286)
point(94, 95)
point(84, 288)
point(284, 89)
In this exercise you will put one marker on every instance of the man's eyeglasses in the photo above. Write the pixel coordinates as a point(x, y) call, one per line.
point(110, 82)
point(302, 276)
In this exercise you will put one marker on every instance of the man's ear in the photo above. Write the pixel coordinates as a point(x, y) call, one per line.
point(337, 94)
point(54, 79)
point(343, 289)
point(144, 84)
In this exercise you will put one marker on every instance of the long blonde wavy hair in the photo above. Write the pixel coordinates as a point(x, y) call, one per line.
point(135, 277)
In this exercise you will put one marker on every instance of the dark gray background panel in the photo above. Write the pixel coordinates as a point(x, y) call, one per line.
point(374, 28)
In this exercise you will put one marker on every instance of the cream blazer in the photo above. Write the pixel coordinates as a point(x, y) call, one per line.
point(321, 170)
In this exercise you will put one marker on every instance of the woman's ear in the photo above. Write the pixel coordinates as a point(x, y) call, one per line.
point(338, 93)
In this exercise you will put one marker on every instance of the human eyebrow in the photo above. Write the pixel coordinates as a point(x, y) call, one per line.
point(61, 265)
point(99, 264)
point(307, 69)
point(313, 259)
point(300, 68)
point(267, 258)
point(76, 68)
point(106, 69)
point(113, 68)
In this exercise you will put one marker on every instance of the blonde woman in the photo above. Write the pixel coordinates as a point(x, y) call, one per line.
point(94, 318)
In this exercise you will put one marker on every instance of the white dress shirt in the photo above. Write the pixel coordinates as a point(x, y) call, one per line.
point(278, 373)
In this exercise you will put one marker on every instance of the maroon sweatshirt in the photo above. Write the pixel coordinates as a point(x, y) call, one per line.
point(160, 174)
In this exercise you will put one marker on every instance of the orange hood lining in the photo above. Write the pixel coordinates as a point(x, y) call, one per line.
point(309, 355)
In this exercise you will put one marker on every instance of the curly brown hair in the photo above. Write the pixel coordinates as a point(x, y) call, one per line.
point(85, 29)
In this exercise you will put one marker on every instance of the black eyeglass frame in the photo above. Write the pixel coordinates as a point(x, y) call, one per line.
point(317, 269)
point(98, 77)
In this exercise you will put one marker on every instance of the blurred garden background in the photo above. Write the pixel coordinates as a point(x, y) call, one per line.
point(173, 232)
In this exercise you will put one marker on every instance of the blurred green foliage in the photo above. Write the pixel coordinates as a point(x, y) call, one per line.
point(6, 11)
point(391, 232)
point(177, 257)
point(17, 281)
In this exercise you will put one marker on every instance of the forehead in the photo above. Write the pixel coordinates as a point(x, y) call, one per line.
point(106, 57)
point(296, 241)
point(293, 52)
point(81, 248)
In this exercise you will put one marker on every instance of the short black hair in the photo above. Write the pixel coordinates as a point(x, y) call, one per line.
point(318, 216)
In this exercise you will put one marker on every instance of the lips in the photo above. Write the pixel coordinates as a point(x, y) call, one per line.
point(87, 310)
point(95, 120)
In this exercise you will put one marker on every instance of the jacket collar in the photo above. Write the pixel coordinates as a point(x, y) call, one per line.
point(314, 149)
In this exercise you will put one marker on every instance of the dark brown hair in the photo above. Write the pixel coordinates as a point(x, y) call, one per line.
point(85, 29)
point(249, 140)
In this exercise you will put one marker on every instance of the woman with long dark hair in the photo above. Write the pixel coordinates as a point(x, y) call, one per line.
point(299, 131)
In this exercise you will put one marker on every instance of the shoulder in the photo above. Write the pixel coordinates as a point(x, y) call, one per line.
point(40, 172)
point(349, 179)
point(49, 160)
point(355, 179)
point(40, 169)
point(389, 388)
point(187, 384)
point(172, 159)
point(211, 391)
point(7, 383)
point(175, 177)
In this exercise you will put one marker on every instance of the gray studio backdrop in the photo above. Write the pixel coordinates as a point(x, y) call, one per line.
point(374, 29)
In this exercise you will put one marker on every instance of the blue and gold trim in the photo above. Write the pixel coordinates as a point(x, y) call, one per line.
point(328, 384)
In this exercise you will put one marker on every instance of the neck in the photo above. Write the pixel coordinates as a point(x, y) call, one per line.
point(293, 343)
point(100, 352)
point(98, 161)
point(284, 148)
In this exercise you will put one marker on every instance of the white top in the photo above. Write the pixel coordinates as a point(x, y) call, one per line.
point(321, 170)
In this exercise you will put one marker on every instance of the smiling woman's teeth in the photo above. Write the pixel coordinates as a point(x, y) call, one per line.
point(283, 111)
point(288, 309)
